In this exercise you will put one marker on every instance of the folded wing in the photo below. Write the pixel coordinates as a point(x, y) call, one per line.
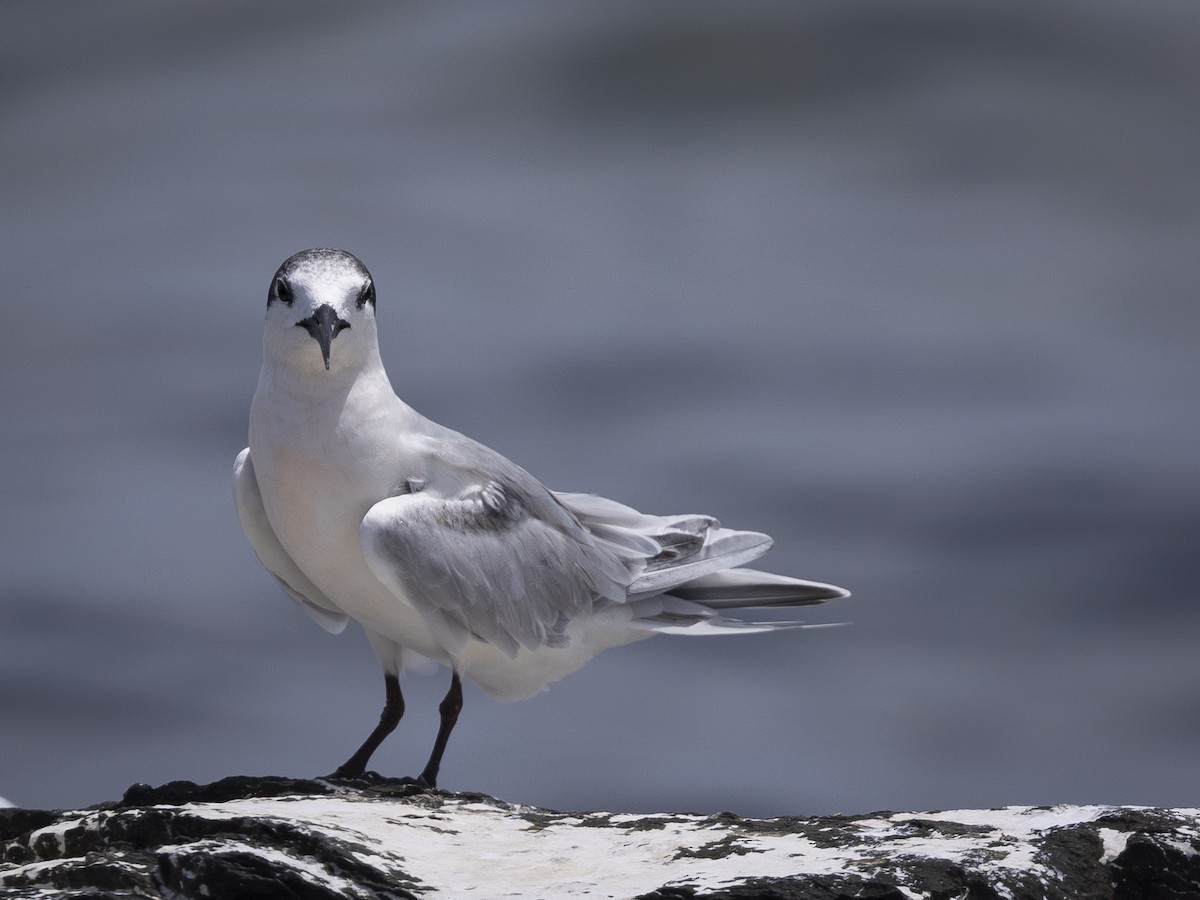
point(509, 563)
point(253, 516)
point(486, 564)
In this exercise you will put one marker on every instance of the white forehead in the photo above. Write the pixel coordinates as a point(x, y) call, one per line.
point(328, 270)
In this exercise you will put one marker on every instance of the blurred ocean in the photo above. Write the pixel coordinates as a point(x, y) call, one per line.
point(912, 287)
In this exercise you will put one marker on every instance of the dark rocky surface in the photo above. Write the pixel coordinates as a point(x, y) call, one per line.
point(315, 839)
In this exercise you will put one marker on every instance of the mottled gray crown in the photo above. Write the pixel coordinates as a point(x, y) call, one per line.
point(319, 261)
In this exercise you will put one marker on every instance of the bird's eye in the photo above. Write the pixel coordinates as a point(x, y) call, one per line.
point(366, 295)
point(283, 291)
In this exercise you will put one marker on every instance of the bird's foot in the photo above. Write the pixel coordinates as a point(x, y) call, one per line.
point(376, 780)
point(342, 773)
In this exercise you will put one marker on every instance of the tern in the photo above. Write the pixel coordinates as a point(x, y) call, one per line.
point(439, 547)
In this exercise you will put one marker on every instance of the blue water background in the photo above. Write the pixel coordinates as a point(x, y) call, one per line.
point(911, 287)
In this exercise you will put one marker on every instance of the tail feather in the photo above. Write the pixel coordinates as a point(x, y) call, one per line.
point(751, 589)
point(723, 549)
point(718, 625)
point(666, 614)
point(682, 569)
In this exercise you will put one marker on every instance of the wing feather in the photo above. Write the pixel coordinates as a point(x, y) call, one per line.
point(482, 563)
point(253, 516)
point(740, 588)
point(722, 549)
point(673, 549)
point(685, 568)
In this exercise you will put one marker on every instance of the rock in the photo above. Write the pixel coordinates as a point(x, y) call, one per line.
point(317, 839)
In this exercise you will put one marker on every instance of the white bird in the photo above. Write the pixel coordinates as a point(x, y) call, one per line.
point(440, 547)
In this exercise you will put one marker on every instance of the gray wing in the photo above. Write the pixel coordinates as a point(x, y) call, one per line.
point(678, 551)
point(500, 560)
point(270, 552)
point(687, 576)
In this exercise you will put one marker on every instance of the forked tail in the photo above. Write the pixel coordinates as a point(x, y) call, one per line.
point(685, 570)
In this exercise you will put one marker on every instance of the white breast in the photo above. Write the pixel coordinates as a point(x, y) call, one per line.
point(319, 470)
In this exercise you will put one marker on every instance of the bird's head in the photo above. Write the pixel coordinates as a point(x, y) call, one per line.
point(321, 313)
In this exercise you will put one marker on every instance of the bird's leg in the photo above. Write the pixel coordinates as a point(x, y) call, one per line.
point(393, 710)
point(448, 709)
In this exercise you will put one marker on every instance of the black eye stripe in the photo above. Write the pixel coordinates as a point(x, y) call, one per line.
point(366, 295)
